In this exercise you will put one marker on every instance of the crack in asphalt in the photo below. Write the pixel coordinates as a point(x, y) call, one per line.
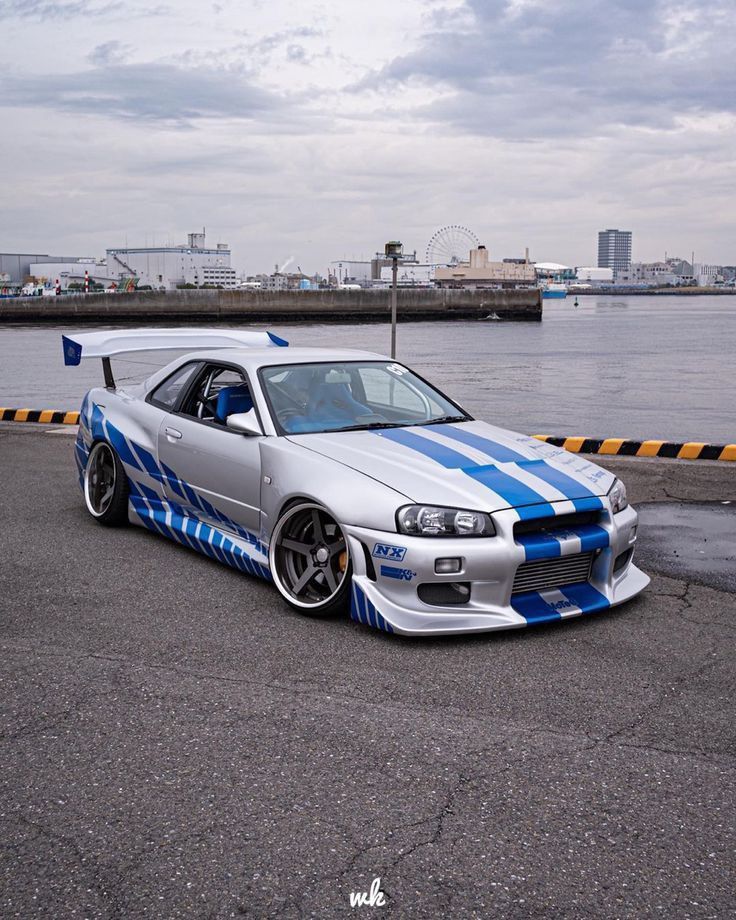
point(436, 819)
point(89, 865)
point(647, 711)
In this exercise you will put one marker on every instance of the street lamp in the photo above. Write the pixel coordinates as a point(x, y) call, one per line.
point(394, 251)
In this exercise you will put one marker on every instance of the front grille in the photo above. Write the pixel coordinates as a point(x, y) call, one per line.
point(559, 522)
point(541, 574)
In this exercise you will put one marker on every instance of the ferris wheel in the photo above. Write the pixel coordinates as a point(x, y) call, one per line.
point(450, 245)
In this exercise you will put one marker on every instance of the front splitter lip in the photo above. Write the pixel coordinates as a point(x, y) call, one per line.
point(381, 610)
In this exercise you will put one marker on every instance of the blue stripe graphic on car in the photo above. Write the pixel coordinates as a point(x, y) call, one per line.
point(539, 546)
point(516, 493)
point(355, 604)
point(173, 480)
point(499, 453)
point(148, 461)
point(152, 507)
point(119, 442)
point(449, 458)
point(363, 611)
point(537, 466)
point(190, 532)
point(536, 609)
point(586, 597)
point(571, 488)
point(547, 545)
point(592, 537)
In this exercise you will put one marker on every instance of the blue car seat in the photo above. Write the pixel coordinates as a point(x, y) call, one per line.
point(231, 400)
point(333, 403)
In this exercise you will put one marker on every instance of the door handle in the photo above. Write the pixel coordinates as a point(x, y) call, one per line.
point(173, 434)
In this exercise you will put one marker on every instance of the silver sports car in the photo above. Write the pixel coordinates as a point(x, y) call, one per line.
point(350, 482)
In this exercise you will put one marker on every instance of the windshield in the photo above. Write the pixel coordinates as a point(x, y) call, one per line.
point(351, 395)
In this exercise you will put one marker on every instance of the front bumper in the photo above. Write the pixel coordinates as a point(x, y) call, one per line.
point(388, 568)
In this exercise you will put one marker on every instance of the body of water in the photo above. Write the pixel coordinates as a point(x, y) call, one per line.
point(637, 367)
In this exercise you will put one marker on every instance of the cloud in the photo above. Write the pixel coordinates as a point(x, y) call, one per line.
point(112, 52)
point(523, 69)
point(146, 92)
point(48, 9)
point(533, 122)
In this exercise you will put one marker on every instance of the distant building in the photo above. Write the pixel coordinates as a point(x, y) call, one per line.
point(552, 271)
point(71, 273)
point(673, 272)
point(614, 250)
point(351, 270)
point(707, 275)
point(409, 274)
point(356, 271)
point(168, 267)
point(591, 275)
point(287, 281)
point(480, 272)
point(17, 265)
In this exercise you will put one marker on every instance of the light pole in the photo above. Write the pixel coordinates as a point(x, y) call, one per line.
point(393, 251)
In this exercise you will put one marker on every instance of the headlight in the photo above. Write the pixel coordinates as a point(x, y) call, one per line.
point(429, 521)
point(617, 495)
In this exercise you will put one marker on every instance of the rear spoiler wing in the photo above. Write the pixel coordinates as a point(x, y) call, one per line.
point(104, 345)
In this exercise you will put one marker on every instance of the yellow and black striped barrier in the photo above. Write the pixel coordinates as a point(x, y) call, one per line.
point(689, 450)
point(623, 447)
point(45, 416)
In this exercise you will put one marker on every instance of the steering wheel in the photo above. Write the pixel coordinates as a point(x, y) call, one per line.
point(283, 415)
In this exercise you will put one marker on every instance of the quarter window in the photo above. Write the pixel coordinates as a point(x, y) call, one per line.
point(167, 393)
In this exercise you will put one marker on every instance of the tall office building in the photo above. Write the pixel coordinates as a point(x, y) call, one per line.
point(614, 250)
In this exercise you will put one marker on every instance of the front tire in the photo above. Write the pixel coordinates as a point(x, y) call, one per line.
point(106, 486)
point(310, 561)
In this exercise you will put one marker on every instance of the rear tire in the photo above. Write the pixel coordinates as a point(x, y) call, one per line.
point(106, 486)
point(310, 561)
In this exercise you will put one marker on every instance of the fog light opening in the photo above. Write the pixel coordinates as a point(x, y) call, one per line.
point(445, 593)
point(448, 565)
point(622, 561)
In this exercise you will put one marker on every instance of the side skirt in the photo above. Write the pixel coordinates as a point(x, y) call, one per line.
point(170, 520)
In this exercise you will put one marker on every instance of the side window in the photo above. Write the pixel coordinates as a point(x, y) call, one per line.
point(218, 393)
point(166, 394)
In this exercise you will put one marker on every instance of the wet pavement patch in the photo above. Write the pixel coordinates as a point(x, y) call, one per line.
point(690, 541)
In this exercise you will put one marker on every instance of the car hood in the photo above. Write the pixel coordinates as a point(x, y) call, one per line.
point(466, 465)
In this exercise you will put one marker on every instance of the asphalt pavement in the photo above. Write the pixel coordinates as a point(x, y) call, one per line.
point(175, 742)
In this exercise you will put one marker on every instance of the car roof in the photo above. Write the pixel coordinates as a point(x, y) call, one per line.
point(253, 358)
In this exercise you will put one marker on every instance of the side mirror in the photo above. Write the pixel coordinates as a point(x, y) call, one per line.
point(244, 422)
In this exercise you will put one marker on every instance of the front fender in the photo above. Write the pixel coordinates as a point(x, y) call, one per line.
point(352, 498)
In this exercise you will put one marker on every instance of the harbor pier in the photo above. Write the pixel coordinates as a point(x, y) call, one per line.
point(253, 305)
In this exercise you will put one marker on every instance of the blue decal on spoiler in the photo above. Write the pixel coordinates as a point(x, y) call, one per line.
point(72, 351)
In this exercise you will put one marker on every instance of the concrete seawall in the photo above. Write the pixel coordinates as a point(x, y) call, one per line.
point(178, 306)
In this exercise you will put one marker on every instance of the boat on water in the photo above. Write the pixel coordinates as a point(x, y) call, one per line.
point(554, 289)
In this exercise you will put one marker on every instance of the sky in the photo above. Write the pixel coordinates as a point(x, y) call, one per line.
point(318, 131)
